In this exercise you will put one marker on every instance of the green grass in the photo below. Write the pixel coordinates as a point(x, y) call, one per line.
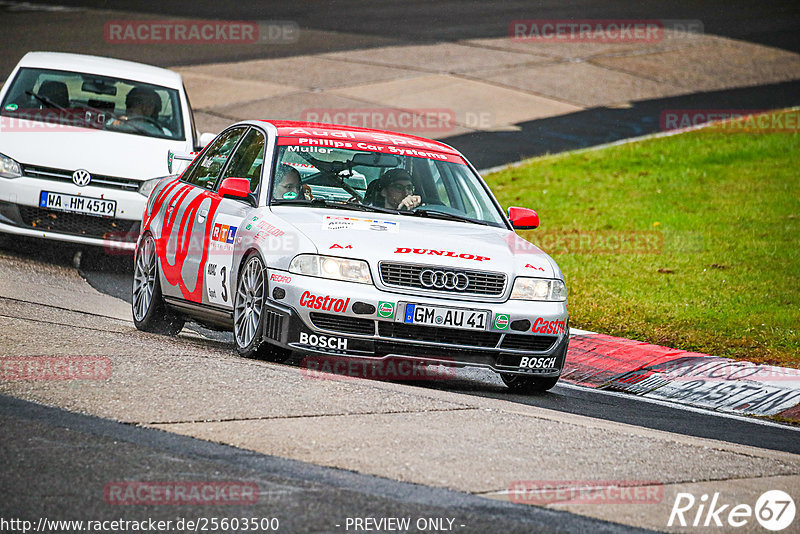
point(724, 212)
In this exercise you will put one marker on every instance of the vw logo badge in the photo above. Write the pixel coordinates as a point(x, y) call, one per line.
point(444, 280)
point(81, 177)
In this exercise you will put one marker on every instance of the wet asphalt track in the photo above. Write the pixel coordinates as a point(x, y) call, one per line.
point(57, 464)
point(112, 275)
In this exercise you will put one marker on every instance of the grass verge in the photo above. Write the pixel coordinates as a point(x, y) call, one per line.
point(690, 241)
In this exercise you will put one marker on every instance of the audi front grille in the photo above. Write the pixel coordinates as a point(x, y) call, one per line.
point(442, 279)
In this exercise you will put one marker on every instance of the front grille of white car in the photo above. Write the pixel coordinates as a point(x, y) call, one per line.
point(77, 224)
point(408, 275)
point(61, 175)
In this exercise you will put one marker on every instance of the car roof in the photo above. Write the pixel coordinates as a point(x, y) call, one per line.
point(117, 68)
point(318, 129)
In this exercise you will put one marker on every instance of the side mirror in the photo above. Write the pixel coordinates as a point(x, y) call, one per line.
point(523, 218)
point(238, 188)
point(204, 139)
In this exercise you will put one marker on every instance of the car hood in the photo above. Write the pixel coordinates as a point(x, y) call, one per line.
point(384, 237)
point(99, 152)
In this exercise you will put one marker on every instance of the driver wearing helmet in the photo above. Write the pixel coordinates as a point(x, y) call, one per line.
point(394, 190)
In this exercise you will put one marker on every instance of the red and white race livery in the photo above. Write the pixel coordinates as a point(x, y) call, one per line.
point(333, 240)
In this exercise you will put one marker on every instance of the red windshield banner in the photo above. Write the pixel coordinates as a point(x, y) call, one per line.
point(371, 146)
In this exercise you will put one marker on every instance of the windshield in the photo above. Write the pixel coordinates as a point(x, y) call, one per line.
point(378, 181)
point(94, 101)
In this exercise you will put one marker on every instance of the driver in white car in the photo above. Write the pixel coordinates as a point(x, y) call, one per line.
point(142, 106)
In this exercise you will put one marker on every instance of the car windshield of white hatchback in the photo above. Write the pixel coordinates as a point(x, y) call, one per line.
point(380, 182)
point(64, 99)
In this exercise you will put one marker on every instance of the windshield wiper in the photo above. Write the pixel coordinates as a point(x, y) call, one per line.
point(44, 100)
point(336, 204)
point(49, 103)
point(436, 214)
point(367, 207)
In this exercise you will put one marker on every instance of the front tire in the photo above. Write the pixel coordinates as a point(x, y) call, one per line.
point(248, 313)
point(150, 313)
point(248, 306)
point(528, 384)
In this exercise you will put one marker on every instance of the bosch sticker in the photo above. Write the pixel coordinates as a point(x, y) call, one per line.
point(324, 342)
point(537, 363)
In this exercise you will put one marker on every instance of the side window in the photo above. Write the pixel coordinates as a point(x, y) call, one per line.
point(248, 159)
point(212, 161)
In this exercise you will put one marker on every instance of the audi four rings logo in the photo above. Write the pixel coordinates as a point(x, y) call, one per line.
point(81, 177)
point(444, 280)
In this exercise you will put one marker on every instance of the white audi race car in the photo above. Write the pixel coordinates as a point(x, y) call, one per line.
point(334, 241)
point(83, 140)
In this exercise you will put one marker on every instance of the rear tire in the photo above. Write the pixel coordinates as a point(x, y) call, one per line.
point(150, 313)
point(248, 313)
point(528, 384)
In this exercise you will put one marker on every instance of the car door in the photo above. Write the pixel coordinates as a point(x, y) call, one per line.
point(247, 162)
point(190, 210)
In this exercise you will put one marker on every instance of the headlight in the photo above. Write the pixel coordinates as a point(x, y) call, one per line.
point(147, 187)
point(9, 168)
point(539, 289)
point(330, 267)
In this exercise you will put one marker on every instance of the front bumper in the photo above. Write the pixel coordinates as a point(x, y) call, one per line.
point(352, 327)
point(21, 214)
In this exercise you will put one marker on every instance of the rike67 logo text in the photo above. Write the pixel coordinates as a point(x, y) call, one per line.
point(774, 510)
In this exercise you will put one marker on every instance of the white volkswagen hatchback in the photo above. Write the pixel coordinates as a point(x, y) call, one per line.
point(83, 140)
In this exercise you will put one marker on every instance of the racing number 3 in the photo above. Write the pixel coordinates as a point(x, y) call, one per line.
point(224, 285)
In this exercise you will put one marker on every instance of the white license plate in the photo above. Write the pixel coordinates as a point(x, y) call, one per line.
point(446, 317)
point(78, 204)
